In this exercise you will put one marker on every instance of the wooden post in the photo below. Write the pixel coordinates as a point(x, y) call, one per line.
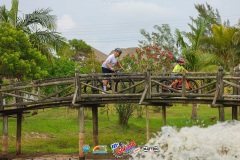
point(183, 84)
point(94, 81)
point(81, 132)
point(19, 133)
point(5, 131)
point(148, 95)
point(221, 85)
point(164, 115)
point(95, 112)
point(238, 90)
point(194, 111)
point(19, 124)
point(1, 101)
point(5, 137)
point(221, 113)
point(113, 84)
point(148, 83)
point(80, 115)
point(38, 90)
point(220, 94)
point(77, 86)
point(147, 123)
point(56, 89)
point(234, 112)
point(95, 125)
point(235, 92)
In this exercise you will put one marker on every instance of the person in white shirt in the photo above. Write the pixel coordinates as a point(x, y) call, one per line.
point(109, 63)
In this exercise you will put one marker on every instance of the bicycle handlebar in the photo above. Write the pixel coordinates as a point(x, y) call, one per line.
point(118, 70)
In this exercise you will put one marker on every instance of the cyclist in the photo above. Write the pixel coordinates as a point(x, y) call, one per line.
point(178, 68)
point(109, 63)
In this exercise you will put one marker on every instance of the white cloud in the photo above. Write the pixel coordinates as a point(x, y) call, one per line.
point(65, 23)
point(141, 10)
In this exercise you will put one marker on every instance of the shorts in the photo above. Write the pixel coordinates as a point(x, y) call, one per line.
point(106, 70)
point(175, 75)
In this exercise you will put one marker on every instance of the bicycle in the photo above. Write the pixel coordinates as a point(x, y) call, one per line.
point(190, 85)
point(120, 84)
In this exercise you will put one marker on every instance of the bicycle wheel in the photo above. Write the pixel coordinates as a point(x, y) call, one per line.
point(121, 85)
point(192, 85)
point(90, 90)
point(163, 88)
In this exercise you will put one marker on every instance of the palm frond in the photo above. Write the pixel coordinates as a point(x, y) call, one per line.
point(4, 14)
point(180, 41)
point(41, 17)
point(13, 14)
point(53, 39)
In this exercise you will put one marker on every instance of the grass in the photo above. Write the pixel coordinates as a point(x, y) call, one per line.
point(56, 130)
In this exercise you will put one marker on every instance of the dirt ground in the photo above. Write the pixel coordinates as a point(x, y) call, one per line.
point(42, 157)
point(88, 156)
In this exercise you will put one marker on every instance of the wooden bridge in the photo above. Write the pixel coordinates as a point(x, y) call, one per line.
point(219, 89)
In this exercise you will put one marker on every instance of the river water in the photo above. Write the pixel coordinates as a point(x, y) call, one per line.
point(218, 142)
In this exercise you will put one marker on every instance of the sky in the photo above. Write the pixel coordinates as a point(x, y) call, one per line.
point(108, 24)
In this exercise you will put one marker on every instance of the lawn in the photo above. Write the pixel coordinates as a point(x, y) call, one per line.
point(56, 130)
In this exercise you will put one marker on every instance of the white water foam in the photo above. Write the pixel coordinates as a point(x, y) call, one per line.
point(218, 142)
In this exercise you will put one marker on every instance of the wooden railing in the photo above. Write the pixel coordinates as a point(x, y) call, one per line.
point(83, 88)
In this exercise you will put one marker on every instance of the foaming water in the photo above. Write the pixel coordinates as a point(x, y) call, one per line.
point(218, 142)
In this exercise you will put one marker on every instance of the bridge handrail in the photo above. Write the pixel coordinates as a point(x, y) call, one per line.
point(65, 89)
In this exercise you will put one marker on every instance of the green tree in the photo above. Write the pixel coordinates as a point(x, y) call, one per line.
point(162, 38)
point(80, 49)
point(40, 26)
point(18, 59)
point(125, 111)
point(61, 67)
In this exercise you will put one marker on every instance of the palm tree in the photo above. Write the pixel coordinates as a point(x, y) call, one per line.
point(223, 43)
point(40, 26)
point(192, 51)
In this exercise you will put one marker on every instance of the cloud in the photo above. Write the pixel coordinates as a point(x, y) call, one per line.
point(65, 23)
point(147, 9)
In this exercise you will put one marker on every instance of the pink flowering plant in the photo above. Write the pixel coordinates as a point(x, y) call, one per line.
point(149, 56)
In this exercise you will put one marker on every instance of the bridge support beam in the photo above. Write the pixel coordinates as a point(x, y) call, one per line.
point(5, 137)
point(221, 113)
point(95, 125)
point(19, 133)
point(164, 115)
point(147, 123)
point(194, 111)
point(220, 86)
point(236, 91)
point(81, 132)
point(235, 112)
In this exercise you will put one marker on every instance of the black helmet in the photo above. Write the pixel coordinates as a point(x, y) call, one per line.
point(118, 50)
